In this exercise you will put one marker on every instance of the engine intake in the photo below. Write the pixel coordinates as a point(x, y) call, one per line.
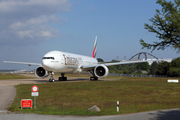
point(41, 72)
point(101, 71)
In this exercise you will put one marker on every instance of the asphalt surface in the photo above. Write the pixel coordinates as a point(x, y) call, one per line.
point(8, 92)
point(173, 114)
point(7, 95)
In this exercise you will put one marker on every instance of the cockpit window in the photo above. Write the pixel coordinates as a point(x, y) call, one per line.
point(48, 58)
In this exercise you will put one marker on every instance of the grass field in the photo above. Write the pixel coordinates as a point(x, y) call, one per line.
point(74, 98)
point(4, 76)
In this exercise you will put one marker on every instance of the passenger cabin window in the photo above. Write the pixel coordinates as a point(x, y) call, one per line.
point(48, 58)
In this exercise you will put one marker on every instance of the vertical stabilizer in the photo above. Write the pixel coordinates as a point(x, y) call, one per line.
point(95, 47)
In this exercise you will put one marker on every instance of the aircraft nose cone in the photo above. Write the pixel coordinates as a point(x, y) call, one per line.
point(45, 64)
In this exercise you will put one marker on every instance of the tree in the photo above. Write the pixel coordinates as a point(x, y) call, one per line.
point(176, 63)
point(114, 68)
point(163, 68)
point(166, 25)
point(142, 66)
point(131, 68)
point(100, 60)
point(174, 71)
point(153, 68)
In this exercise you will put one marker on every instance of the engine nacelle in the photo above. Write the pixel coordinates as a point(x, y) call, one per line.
point(101, 71)
point(41, 72)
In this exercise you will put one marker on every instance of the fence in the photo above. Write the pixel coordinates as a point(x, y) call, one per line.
point(130, 75)
point(135, 75)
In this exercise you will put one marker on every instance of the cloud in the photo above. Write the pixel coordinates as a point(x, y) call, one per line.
point(34, 7)
point(35, 27)
point(29, 21)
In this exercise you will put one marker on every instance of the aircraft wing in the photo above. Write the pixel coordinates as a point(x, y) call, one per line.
point(90, 67)
point(125, 62)
point(25, 63)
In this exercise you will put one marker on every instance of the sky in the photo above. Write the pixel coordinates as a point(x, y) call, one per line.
point(31, 28)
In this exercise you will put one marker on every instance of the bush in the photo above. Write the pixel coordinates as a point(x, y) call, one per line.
point(174, 72)
point(163, 68)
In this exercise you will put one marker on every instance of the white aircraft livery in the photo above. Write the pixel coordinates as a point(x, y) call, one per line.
point(63, 62)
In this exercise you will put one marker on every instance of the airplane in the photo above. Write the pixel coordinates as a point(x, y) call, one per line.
point(64, 62)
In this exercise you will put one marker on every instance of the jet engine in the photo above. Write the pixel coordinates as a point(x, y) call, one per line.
point(41, 72)
point(101, 71)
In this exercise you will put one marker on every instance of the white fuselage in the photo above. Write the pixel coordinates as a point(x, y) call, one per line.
point(64, 62)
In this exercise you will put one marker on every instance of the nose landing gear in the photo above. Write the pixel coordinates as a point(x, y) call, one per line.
point(60, 78)
point(51, 79)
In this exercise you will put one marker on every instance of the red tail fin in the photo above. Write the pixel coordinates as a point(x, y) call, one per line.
point(95, 48)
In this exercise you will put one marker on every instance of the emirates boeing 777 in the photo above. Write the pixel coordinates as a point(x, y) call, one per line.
point(63, 62)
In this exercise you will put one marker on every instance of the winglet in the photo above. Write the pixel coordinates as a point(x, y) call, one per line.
point(95, 47)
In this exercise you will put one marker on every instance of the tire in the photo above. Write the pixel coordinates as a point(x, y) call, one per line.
point(51, 80)
point(93, 78)
point(96, 78)
point(65, 78)
point(62, 78)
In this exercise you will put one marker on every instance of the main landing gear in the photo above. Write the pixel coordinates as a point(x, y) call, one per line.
point(94, 78)
point(60, 78)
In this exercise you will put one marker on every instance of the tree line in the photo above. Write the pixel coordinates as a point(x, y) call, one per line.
point(170, 69)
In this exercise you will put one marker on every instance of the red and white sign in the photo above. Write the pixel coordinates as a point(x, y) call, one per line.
point(34, 88)
point(26, 103)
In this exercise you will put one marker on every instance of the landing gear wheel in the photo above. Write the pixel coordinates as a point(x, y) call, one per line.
point(93, 78)
point(51, 80)
point(62, 78)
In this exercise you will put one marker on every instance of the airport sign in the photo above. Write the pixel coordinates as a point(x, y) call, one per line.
point(173, 81)
point(34, 88)
point(34, 93)
point(26, 103)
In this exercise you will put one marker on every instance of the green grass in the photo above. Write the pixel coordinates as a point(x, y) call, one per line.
point(4, 76)
point(74, 98)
